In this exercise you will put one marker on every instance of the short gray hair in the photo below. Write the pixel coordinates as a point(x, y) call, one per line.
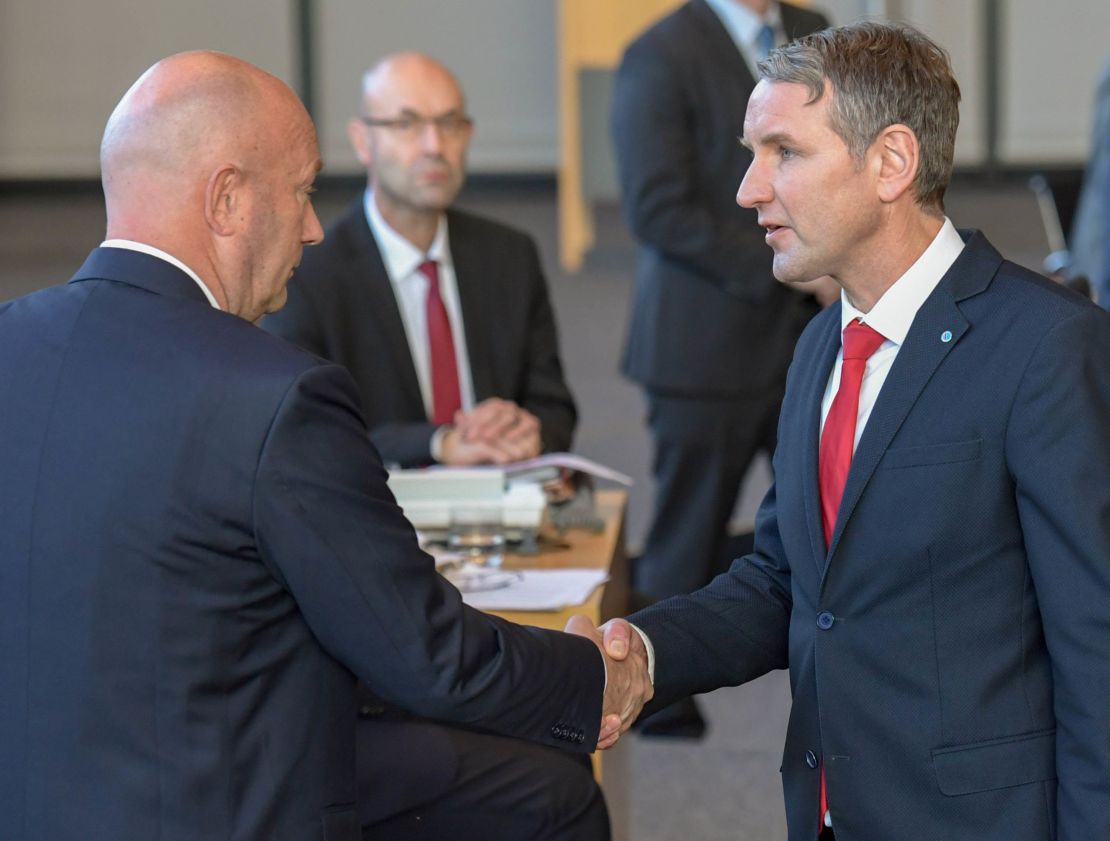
point(881, 74)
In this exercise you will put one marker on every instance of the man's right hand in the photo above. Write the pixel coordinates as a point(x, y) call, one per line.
point(627, 685)
point(493, 432)
point(455, 449)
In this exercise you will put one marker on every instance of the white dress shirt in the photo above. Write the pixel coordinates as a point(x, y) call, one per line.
point(402, 263)
point(743, 26)
point(143, 248)
point(892, 316)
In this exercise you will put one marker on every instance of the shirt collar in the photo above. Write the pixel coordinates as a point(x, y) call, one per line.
point(743, 24)
point(143, 248)
point(894, 312)
point(400, 256)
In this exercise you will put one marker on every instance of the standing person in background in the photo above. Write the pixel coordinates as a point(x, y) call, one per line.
point(711, 331)
point(442, 317)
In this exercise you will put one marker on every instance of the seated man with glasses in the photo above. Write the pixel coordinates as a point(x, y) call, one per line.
point(443, 319)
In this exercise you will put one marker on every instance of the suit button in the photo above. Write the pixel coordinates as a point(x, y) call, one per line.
point(556, 731)
point(811, 759)
point(825, 620)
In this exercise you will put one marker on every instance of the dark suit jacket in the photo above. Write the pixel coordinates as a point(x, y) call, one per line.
point(342, 307)
point(197, 550)
point(950, 654)
point(708, 317)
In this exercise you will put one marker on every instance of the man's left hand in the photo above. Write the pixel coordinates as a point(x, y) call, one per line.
point(504, 425)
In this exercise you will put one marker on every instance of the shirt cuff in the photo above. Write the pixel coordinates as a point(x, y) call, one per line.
point(650, 658)
point(650, 654)
point(435, 446)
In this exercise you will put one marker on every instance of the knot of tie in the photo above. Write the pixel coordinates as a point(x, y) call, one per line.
point(431, 271)
point(861, 340)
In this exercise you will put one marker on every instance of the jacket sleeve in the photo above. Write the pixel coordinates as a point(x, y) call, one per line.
point(1058, 451)
point(330, 530)
point(731, 631)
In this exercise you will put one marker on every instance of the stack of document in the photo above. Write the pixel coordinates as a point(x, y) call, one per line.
point(538, 589)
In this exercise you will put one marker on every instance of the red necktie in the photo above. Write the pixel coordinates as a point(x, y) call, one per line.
point(838, 441)
point(441, 345)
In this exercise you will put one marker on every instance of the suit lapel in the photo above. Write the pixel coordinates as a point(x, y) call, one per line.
point(936, 330)
point(477, 304)
point(813, 391)
point(376, 303)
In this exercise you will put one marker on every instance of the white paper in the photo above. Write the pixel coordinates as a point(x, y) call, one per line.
point(540, 589)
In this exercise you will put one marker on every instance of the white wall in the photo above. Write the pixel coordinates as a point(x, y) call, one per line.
point(1052, 53)
point(64, 64)
point(503, 52)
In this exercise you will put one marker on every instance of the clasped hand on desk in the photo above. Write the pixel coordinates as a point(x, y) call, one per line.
point(495, 431)
point(627, 685)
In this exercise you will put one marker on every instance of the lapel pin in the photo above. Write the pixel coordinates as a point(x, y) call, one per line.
point(946, 336)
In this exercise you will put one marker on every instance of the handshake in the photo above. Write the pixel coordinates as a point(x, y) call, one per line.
point(627, 681)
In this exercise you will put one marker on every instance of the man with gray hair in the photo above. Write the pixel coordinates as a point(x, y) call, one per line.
point(198, 549)
point(933, 560)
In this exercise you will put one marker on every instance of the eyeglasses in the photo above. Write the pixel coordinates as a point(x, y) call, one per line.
point(412, 126)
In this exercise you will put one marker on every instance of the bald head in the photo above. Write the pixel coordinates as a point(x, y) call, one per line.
point(404, 71)
point(188, 153)
point(184, 114)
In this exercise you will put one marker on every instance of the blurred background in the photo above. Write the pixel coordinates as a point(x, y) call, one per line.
point(539, 90)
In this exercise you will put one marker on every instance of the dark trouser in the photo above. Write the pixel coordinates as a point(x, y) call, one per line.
point(502, 790)
point(703, 448)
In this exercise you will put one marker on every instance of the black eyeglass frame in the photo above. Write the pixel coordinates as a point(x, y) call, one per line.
point(450, 124)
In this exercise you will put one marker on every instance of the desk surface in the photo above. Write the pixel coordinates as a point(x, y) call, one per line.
point(584, 549)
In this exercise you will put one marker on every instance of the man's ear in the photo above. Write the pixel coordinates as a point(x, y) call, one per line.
point(360, 141)
point(899, 157)
point(224, 200)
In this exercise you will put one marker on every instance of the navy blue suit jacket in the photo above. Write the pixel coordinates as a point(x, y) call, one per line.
point(198, 554)
point(950, 652)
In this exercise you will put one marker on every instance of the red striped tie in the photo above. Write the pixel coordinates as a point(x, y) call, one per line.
point(441, 345)
point(838, 442)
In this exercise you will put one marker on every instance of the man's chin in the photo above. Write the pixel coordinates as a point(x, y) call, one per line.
point(790, 275)
point(274, 304)
point(438, 197)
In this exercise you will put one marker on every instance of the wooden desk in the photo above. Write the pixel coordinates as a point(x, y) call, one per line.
point(604, 550)
point(584, 549)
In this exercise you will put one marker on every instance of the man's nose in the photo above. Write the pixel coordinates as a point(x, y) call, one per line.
point(431, 137)
point(312, 232)
point(755, 188)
